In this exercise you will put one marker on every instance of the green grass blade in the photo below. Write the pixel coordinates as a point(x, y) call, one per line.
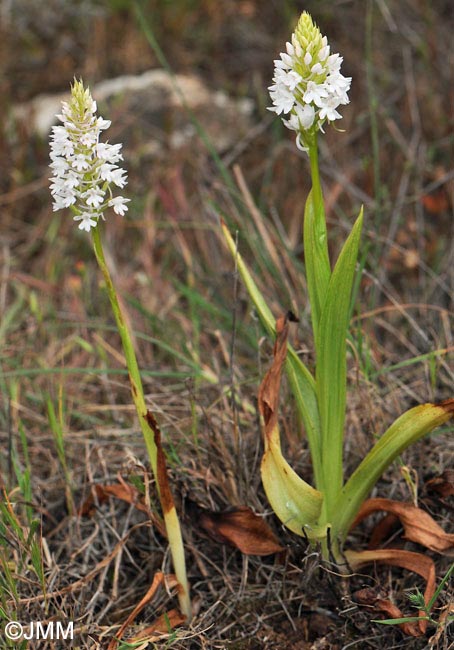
point(440, 588)
point(398, 621)
point(331, 377)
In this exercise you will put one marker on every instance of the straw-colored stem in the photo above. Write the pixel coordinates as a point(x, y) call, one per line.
point(170, 515)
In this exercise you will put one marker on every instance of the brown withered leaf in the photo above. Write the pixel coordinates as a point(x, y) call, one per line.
point(159, 579)
point(239, 527)
point(165, 492)
point(416, 562)
point(268, 397)
point(370, 598)
point(418, 525)
point(164, 624)
point(383, 530)
point(123, 491)
point(443, 484)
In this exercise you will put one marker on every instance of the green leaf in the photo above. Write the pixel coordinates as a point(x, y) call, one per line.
point(407, 429)
point(318, 270)
point(331, 377)
point(295, 502)
point(303, 389)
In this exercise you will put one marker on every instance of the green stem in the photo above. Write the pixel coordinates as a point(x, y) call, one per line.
point(170, 516)
point(315, 173)
point(128, 348)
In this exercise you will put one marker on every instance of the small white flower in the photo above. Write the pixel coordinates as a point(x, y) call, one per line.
point(307, 84)
point(119, 177)
point(302, 118)
point(88, 139)
point(289, 79)
point(328, 110)
point(87, 220)
point(315, 93)
point(84, 168)
point(119, 205)
point(103, 124)
point(283, 99)
point(94, 196)
point(63, 199)
point(306, 115)
point(324, 52)
point(106, 171)
point(72, 179)
point(58, 164)
point(109, 152)
point(80, 162)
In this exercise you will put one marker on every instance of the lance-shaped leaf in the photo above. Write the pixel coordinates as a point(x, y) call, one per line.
point(295, 502)
point(407, 429)
point(318, 271)
point(301, 380)
point(331, 376)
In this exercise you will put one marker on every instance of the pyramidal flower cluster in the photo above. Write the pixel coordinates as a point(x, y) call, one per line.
point(308, 85)
point(84, 168)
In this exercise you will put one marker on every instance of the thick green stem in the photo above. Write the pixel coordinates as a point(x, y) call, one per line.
point(170, 516)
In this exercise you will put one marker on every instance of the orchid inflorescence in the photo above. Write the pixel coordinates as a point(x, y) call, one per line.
point(308, 89)
point(308, 84)
point(84, 168)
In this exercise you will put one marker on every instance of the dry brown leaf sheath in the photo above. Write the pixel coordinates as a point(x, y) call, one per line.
point(418, 525)
point(268, 397)
point(167, 502)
